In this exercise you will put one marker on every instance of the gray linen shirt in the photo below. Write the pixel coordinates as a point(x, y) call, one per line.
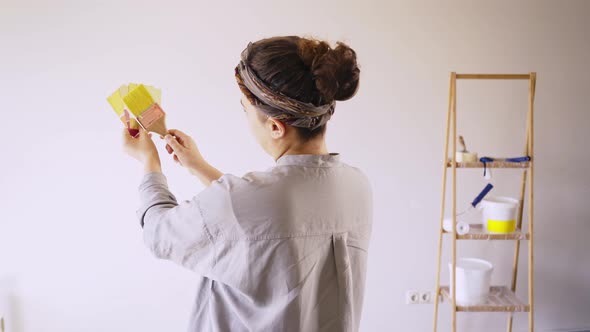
point(281, 250)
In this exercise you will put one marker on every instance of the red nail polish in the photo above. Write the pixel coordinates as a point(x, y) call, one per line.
point(133, 132)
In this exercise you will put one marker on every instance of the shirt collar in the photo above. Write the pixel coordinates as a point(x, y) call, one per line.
point(310, 160)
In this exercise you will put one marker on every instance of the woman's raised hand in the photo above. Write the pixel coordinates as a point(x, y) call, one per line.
point(184, 150)
point(142, 148)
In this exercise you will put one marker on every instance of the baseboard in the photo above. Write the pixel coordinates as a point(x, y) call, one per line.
point(580, 329)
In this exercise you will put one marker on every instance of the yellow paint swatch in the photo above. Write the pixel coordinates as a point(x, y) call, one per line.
point(154, 92)
point(117, 102)
point(138, 100)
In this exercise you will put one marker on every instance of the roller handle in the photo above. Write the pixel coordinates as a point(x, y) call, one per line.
point(482, 194)
point(510, 160)
point(518, 159)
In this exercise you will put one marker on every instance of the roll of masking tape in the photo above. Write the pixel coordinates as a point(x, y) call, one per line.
point(466, 157)
point(462, 227)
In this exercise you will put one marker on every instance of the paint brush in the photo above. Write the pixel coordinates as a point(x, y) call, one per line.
point(118, 105)
point(462, 142)
point(146, 110)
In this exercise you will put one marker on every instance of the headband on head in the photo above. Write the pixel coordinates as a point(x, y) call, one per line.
point(276, 105)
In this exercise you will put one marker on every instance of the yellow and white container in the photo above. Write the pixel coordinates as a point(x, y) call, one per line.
point(499, 214)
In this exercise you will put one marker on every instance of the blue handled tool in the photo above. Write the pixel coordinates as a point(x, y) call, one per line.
point(485, 160)
point(478, 198)
point(518, 159)
point(482, 194)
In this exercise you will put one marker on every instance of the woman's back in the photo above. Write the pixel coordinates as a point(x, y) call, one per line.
point(290, 248)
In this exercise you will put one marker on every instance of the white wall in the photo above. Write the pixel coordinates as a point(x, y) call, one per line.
point(71, 255)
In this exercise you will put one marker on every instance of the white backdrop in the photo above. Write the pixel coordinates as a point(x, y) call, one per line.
point(71, 255)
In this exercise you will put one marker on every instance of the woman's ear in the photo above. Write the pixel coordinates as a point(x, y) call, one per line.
point(276, 128)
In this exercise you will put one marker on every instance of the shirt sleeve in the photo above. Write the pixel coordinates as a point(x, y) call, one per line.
point(174, 231)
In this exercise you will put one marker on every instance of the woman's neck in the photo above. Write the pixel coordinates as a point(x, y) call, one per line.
point(316, 146)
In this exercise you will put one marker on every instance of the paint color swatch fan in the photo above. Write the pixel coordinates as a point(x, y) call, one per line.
point(139, 105)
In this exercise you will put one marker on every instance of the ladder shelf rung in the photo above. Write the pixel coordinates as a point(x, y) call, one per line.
point(477, 232)
point(493, 164)
point(501, 299)
point(494, 76)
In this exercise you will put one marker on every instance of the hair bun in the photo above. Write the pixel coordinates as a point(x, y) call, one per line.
point(335, 71)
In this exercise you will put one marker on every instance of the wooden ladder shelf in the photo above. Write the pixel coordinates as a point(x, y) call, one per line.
point(501, 299)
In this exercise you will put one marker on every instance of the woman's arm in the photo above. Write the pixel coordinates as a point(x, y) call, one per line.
point(143, 149)
point(176, 231)
point(153, 165)
point(185, 152)
point(206, 173)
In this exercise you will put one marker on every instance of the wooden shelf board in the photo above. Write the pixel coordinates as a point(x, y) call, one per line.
point(494, 76)
point(494, 164)
point(477, 232)
point(501, 299)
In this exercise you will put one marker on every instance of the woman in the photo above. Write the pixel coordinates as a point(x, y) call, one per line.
point(281, 250)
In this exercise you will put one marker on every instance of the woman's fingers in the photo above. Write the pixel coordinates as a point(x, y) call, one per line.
point(176, 132)
point(180, 135)
point(169, 149)
point(142, 134)
point(174, 144)
point(126, 135)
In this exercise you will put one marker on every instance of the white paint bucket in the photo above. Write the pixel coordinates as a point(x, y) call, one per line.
point(473, 280)
point(499, 214)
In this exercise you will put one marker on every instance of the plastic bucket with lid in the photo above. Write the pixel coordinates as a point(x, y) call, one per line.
point(473, 280)
point(499, 214)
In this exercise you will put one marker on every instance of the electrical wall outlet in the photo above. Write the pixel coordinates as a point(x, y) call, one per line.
point(426, 297)
point(421, 297)
point(412, 297)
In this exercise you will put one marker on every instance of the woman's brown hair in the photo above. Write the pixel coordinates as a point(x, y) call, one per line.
point(308, 70)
